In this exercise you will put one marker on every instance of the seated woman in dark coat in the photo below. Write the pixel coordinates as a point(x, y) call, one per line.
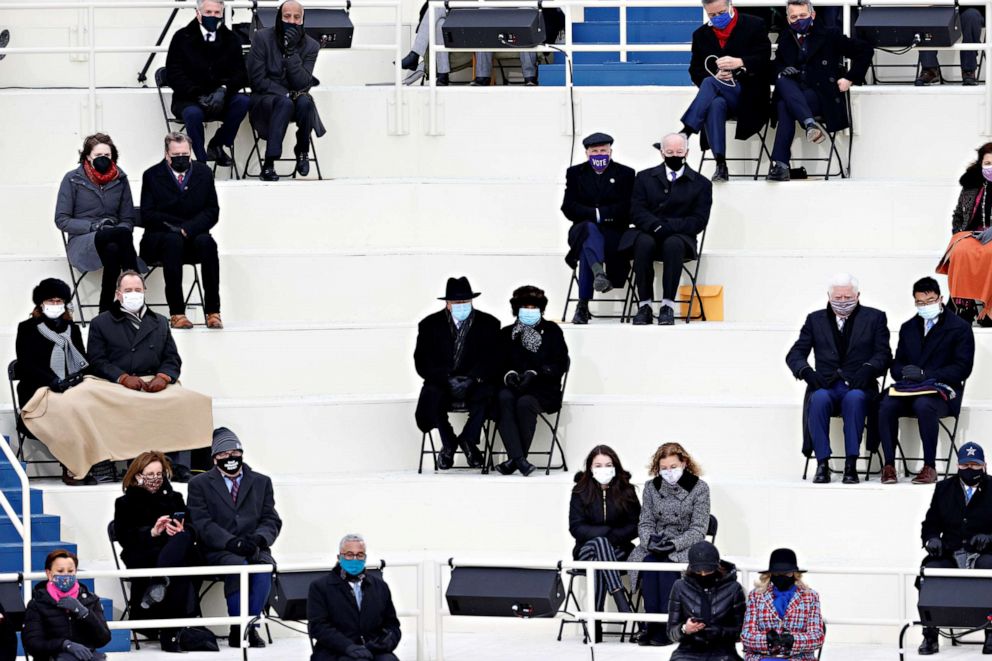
point(96, 210)
point(706, 611)
point(534, 359)
point(150, 524)
point(64, 621)
point(602, 517)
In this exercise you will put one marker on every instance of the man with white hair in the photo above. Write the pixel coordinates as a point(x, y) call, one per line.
point(850, 345)
point(670, 205)
point(350, 612)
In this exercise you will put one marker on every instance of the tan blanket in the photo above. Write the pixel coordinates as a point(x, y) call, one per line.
point(99, 420)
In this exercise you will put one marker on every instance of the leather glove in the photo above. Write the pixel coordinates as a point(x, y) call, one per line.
point(259, 542)
point(512, 379)
point(157, 384)
point(863, 378)
point(131, 381)
point(772, 637)
point(61, 385)
point(460, 386)
point(76, 609)
point(78, 651)
point(934, 547)
point(382, 644)
point(103, 222)
point(291, 38)
point(527, 379)
point(813, 379)
point(658, 544)
point(358, 652)
point(789, 72)
point(980, 542)
point(215, 100)
point(242, 546)
point(912, 373)
point(786, 640)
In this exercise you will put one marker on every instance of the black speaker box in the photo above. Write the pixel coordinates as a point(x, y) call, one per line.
point(290, 591)
point(955, 602)
point(898, 27)
point(12, 604)
point(332, 28)
point(499, 592)
point(493, 28)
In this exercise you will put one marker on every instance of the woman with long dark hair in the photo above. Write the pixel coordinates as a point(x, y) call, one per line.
point(602, 517)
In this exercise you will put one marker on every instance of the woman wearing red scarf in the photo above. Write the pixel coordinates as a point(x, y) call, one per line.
point(95, 210)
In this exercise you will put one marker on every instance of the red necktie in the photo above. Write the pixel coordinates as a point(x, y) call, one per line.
point(234, 491)
point(180, 179)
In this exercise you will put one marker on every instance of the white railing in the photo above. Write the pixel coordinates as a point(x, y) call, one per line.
point(22, 524)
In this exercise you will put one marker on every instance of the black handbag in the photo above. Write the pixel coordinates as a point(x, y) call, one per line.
point(197, 639)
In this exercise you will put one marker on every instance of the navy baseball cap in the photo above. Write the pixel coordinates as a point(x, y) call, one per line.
point(971, 452)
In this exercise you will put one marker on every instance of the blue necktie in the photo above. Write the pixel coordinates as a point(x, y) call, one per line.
point(968, 494)
point(930, 323)
point(674, 177)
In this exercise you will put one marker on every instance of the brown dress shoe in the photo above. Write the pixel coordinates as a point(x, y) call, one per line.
point(180, 321)
point(926, 476)
point(214, 320)
point(889, 475)
point(927, 77)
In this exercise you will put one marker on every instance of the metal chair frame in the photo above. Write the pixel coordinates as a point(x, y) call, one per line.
point(12, 378)
point(625, 301)
point(763, 152)
point(843, 171)
point(256, 150)
point(693, 294)
point(429, 435)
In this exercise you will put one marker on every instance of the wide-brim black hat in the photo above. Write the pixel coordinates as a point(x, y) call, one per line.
point(50, 288)
point(783, 561)
point(458, 289)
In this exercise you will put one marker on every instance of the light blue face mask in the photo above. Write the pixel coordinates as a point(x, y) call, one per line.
point(461, 311)
point(529, 316)
point(929, 312)
point(351, 567)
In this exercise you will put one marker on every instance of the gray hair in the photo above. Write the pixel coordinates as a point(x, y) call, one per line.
point(200, 3)
point(351, 537)
point(175, 136)
point(681, 136)
point(710, 2)
point(842, 280)
point(808, 4)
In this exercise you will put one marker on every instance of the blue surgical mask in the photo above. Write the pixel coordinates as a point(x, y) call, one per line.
point(529, 316)
point(461, 311)
point(599, 162)
point(803, 25)
point(63, 582)
point(351, 567)
point(929, 312)
point(720, 21)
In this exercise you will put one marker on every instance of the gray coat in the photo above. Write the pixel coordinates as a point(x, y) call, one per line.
point(680, 510)
point(274, 75)
point(115, 348)
point(81, 204)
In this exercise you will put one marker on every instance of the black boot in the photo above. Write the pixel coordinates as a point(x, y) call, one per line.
point(850, 471)
point(622, 602)
point(597, 633)
point(987, 647)
point(822, 472)
point(269, 171)
point(929, 645)
point(581, 316)
point(472, 454)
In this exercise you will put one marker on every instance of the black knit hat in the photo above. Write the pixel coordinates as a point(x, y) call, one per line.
point(703, 556)
point(528, 295)
point(51, 288)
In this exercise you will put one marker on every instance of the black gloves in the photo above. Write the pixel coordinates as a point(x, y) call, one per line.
point(980, 542)
point(213, 103)
point(786, 640)
point(773, 640)
point(934, 547)
point(814, 380)
point(78, 651)
point(382, 644)
point(789, 72)
point(291, 38)
point(912, 373)
point(76, 609)
point(779, 643)
point(102, 223)
point(460, 385)
point(658, 544)
point(512, 379)
point(259, 542)
point(863, 378)
point(61, 385)
point(527, 379)
point(358, 652)
point(242, 546)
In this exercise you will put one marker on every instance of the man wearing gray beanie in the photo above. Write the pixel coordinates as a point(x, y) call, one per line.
point(233, 510)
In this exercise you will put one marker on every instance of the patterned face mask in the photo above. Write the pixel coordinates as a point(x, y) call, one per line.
point(150, 484)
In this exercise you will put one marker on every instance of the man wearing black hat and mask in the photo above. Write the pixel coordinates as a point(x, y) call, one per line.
point(206, 71)
point(280, 67)
point(178, 209)
point(233, 511)
point(456, 355)
point(957, 530)
point(597, 201)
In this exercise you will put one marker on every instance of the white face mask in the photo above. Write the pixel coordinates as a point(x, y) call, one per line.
point(604, 474)
point(53, 311)
point(132, 300)
point(671, 475)
point(929, 311)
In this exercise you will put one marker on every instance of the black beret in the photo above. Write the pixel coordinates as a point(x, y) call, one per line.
point(51, 288)
point(597, 139)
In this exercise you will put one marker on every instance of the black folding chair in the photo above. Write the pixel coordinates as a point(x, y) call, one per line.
point(195, 286)
point(872, 442)
point(950, 429)
point(763, 153)
point(694, 296)
point(23, 433)
point(843, 168)
point(624, 302)
point(127, 584)
point(161, 80)
point(256, 151)
point(76, 277)
point(915, 66)
point(429, 436)
point(552, 427)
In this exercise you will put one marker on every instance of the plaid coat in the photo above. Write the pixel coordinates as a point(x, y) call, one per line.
point(802, 619)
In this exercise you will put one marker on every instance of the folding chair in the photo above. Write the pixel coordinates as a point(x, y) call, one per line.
point(843, 169)
point(23, 433)
point(763, 153)
point(256, 151)
point(569, 618)
point(161, 80)
point(552, 427)
point(951, 430)
point(127, 584)
point(76, 277)
point(915, 65)
point(194, 286)
point(694, 296)
point(872, 441)
point(429, 435)
point(624, 302)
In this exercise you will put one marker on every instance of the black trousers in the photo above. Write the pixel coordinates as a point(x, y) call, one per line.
point(518, 421)
point(115, 245)
point(172, 250)
point(434, 405)
point(272, 116)
point(671, 252)
point(322, 654)
point(927, 409)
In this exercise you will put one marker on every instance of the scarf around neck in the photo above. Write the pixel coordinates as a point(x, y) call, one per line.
point(100, 179)
point(529, 336)
point(66, 358)
point(781, 600)
point(57, 594)
point(460, 335)
point(724, 35)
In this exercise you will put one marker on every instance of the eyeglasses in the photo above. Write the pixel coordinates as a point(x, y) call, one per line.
point(353, 556)
point(229, 454)
point(929, 301)
point(152, 476)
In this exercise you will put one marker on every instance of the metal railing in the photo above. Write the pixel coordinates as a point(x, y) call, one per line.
point(22, 524)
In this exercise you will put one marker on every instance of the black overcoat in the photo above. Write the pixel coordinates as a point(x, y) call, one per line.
point(34, 352)
point(585, 192)
point(603, 518)
point(946, 354)
point(116, 349)
point(336, 622)
point(954, 522)
point(47, 627)
point(434, 356)
point(135, 513)
point(193, 208)
point(663, 208)
point(721, 607)
point(550, 362)
point(195, 67)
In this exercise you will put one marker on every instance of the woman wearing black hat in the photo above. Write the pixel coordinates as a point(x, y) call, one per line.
point(706, 610)
point(534, 359)
point(50, 351)
point(783, 614)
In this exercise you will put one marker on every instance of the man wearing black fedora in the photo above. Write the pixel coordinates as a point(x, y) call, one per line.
point(457, 358)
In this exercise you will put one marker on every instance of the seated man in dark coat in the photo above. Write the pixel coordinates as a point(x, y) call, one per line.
point(206, 71)
point(456, 357)
point(731, 66)
point(957, 531)
point(350, 613)
point(233, 511)
point(670, 206)
point(178, 209)
point(597, 201)
point(812, 81)
point(936, 352)
point(850, 345)
point(280, 67)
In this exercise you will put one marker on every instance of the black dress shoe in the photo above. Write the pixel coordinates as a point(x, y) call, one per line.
point(581, 315)
point(269, 173)
point(666, 316)
point(234, 637)
point(303, 163)
point(850, 471)
point(822, 472)
point(254, 640)
point(410, 62)
point(508, 467)
point(530, 81)
point(472, 454)
point(481, 81)
point(778, 172)
point(525, 467)
point(217, 153)
point(445, 459)
point(644, 316)
point(930, 644)
point(601, 283)
point(443, 80)
point(721, 173)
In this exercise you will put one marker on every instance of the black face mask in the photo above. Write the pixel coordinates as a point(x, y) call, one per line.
point(707, 581)
point(292, 32)
point(231, 465)
point(102, 164)
point(783, 583)
point(211, 23)
point(179, 163)
point(971, 476)
point(675, 163)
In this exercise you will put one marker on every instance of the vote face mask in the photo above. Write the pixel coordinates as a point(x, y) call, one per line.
point(721, 21)
point(352, 567)
point(671, 475)
point(102, 164)
point(604, 474)
point(802, 26)
point(63, 582)
point(132, 300)
point(53, 311)
point(843, 308)
point(461, 311)
point(987, 173)
point(675, 163)
point(529, 316)
point(929, 311)
point(180, 163)
point(971, 476)
point(783, 583)
point(599, 162)
point(211, 23)
point(231, 465)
